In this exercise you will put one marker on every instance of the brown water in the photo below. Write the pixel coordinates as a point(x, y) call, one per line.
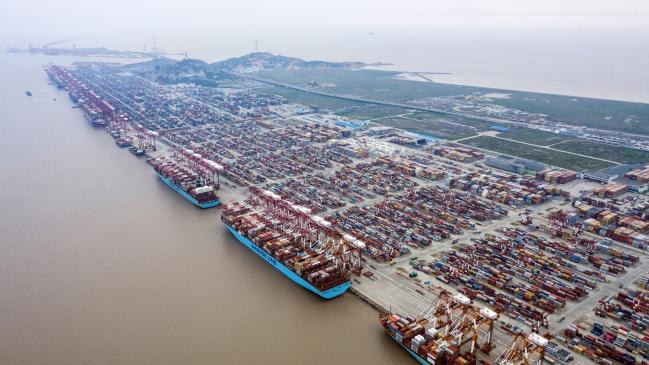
point(100, 263)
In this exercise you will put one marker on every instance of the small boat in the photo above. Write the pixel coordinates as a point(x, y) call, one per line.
point(98, 122)
point(28, 93)
point(122, 142)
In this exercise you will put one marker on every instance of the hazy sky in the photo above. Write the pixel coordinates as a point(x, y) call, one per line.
point(575, 47)
point(53, 19)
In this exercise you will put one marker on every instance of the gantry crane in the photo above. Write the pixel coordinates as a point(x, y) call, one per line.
point(206, 170)
point(312, 232)
point(146, 139)
point(455, 323)
point(524, 350)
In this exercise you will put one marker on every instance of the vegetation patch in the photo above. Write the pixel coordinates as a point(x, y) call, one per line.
point(479, 125)
point(601, 150)
point(545, 155)
point(433, 129)
point(373, 111)
point(382, 85)
point(314, 100)
point(534, 136)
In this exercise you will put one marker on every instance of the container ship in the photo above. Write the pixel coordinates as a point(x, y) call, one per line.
point(194, 178)
point(450, 333)
point(303, 247)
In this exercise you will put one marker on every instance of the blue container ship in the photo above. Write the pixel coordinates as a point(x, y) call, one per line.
point(190, 185)
point(302, 247)
point(327, 294)
point(209, 199)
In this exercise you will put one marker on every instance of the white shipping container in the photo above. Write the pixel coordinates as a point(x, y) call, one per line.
point(203, 189)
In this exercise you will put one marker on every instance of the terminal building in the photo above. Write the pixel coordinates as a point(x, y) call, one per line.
point(513, 164)
point(599, 177)
point(505, 164)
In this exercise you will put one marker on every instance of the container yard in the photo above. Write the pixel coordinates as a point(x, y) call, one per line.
point(525, 274)
point(611, 190)
point(418, 219)
point(465, 263)
point(458, 153)
point(608, 212)
point(640, 175)
point(510, 190)
point(616, 329)
point(556, 176)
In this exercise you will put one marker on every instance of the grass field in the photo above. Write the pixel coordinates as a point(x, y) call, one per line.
point(434, 129)
point(371, 84)
point(605, 151)
point(429, 116)
point(318, 101)
point(556, 158)
point(605, 114)
point(371, 111)
point(534, 136)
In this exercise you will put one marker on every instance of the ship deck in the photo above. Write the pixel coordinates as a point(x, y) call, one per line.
point(328, 294)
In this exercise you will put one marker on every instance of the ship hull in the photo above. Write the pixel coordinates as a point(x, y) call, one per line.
point(412, 353)
point(329, 294)
point(94, 122)
point(189, 197)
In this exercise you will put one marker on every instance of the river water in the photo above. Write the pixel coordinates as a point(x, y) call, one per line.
point(100, 263)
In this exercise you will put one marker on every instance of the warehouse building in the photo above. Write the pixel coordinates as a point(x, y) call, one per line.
point(503, 163)
point(513, 164)
point(599, 177)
